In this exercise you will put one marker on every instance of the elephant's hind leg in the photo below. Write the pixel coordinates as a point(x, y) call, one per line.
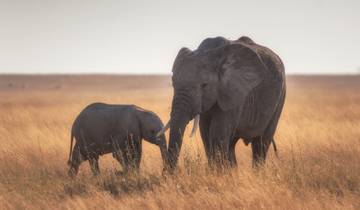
point(76, 160)
point(232, 155)
point(260, 147)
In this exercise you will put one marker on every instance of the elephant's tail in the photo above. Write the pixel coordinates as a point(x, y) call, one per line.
point(71, 147)
point(275, 148)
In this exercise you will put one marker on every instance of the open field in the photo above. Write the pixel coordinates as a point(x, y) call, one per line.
point(318, 139)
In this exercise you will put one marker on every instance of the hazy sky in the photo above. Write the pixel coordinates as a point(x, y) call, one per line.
point(70, 36)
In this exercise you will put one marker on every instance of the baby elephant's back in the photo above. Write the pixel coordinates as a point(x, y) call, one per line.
point(99, 122)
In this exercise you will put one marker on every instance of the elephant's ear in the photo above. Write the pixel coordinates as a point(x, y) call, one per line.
point(240, 72)
point(183, 52)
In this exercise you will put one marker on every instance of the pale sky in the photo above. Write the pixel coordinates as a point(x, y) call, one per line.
point(85, 36)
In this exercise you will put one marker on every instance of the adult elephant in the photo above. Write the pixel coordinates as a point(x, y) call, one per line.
point(237, 88)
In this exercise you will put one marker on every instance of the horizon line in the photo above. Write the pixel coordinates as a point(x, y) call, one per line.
point(159, 74)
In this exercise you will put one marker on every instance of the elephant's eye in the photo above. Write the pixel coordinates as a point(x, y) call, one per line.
point(204, 85)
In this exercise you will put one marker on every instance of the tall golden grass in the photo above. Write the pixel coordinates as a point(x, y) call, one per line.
point(318, 140)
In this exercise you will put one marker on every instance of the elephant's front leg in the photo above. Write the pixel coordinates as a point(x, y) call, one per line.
point(118, 154)
point(137, 148)
point(94, 165)
point(204, 126)
point(129, 156)
point(132, 154)
point(219, 138)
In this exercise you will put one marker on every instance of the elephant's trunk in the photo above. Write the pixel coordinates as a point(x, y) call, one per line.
point(180, 116)
point(176, 134)
point(163, 149)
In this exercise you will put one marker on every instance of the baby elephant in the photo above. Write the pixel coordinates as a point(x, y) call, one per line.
point(103, 128)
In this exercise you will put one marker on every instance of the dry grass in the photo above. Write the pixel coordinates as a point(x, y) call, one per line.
point(318, 138)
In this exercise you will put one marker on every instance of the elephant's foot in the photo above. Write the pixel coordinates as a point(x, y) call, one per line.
point(72, 172)
point(119, 173)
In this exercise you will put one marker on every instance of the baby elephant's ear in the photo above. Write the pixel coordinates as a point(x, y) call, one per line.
point(148, 120)
point(241, 71)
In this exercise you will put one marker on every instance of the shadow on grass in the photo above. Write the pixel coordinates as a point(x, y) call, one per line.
point(118, 185)
point(75, 189)
point(115, 185)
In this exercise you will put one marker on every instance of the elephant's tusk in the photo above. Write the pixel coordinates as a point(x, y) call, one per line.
point(195, 125)
point(163, 130)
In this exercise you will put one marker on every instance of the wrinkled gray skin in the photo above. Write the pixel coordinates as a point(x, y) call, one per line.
point(237, 87)
point(118, 129)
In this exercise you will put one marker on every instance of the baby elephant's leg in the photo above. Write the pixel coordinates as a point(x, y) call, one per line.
point(133, 156)
point(137, 156)
point(94, 165)
point(76, 159)
point(129, 161)
point(129, 156)
point(118, 155)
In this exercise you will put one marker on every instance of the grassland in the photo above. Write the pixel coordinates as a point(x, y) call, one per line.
point(318, 140)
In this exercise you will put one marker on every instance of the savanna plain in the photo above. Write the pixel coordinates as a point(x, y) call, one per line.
point(318, 139)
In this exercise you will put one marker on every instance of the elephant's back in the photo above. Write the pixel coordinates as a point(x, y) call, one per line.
point(261, 104)
point(212, 43)
point(270, 59)
point(105, 112)
point(102, 118)
point(273, 62)
point(104, 109)
point(104, 106)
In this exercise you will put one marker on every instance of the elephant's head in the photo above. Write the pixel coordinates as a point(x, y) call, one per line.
point(218, 73)
point(150, 125)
